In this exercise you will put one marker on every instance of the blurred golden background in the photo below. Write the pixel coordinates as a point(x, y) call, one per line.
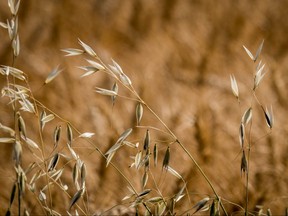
point(179, 56)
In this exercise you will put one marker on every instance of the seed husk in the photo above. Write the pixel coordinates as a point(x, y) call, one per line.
point(76, 197)
point(166, 159)
point(53, 162)
point(69, 134)
point(243, 163)
point(57, 133)
point(147, 141)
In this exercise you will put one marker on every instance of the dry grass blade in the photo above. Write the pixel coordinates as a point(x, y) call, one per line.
point(57, 174)
point(22, 180)
point(53, 74)
point(47, 118)
point(7, 140)
point(3, 25)
point(116, 68)
point(7, 130)
point(155, 199)
point(214, 209)
point(17, 152)
point(180, 194)
point(14, 6)
point(73, 153)
point(114, 89)
point(161, 207)
point(87, 48)
point(76, 197)
point(138, 159)
point(259, 50)
point(42, 116)
point(30, 142)
point(12, 196)
point(147, 141)
point(130, 144)
point(26, 105)
point(269, 212)
point(166, 159)
point(106, 92)
point(109, 158)
point(6, 70)
point(16, 46)
point(144, 193)
point(258, 77)
point(83, 175)
point(174, 172)
point(247, 116)
point(69, 134)
point(269, 117)
point(51, 212)
point(249, 53)
point(234, 86)
point(155, 154)
point(145, 161)
point(114, 148)
point(243, 163)
point(139, 113)
point(89, 70)
point(125, 79)
point(86, 135)
point(201, 204)
point(42, 195)
point(56, 135)
point(144, 179)
point(242, 135)
point(72, 51)
point(124, 135)
point(53, 162)
point(75, 174)
point(95, 64)
point(21, 125)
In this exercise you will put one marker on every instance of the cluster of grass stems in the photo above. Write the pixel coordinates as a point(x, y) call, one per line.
point(21, 100)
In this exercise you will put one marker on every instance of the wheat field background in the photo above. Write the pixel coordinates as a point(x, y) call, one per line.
point(179, 56)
